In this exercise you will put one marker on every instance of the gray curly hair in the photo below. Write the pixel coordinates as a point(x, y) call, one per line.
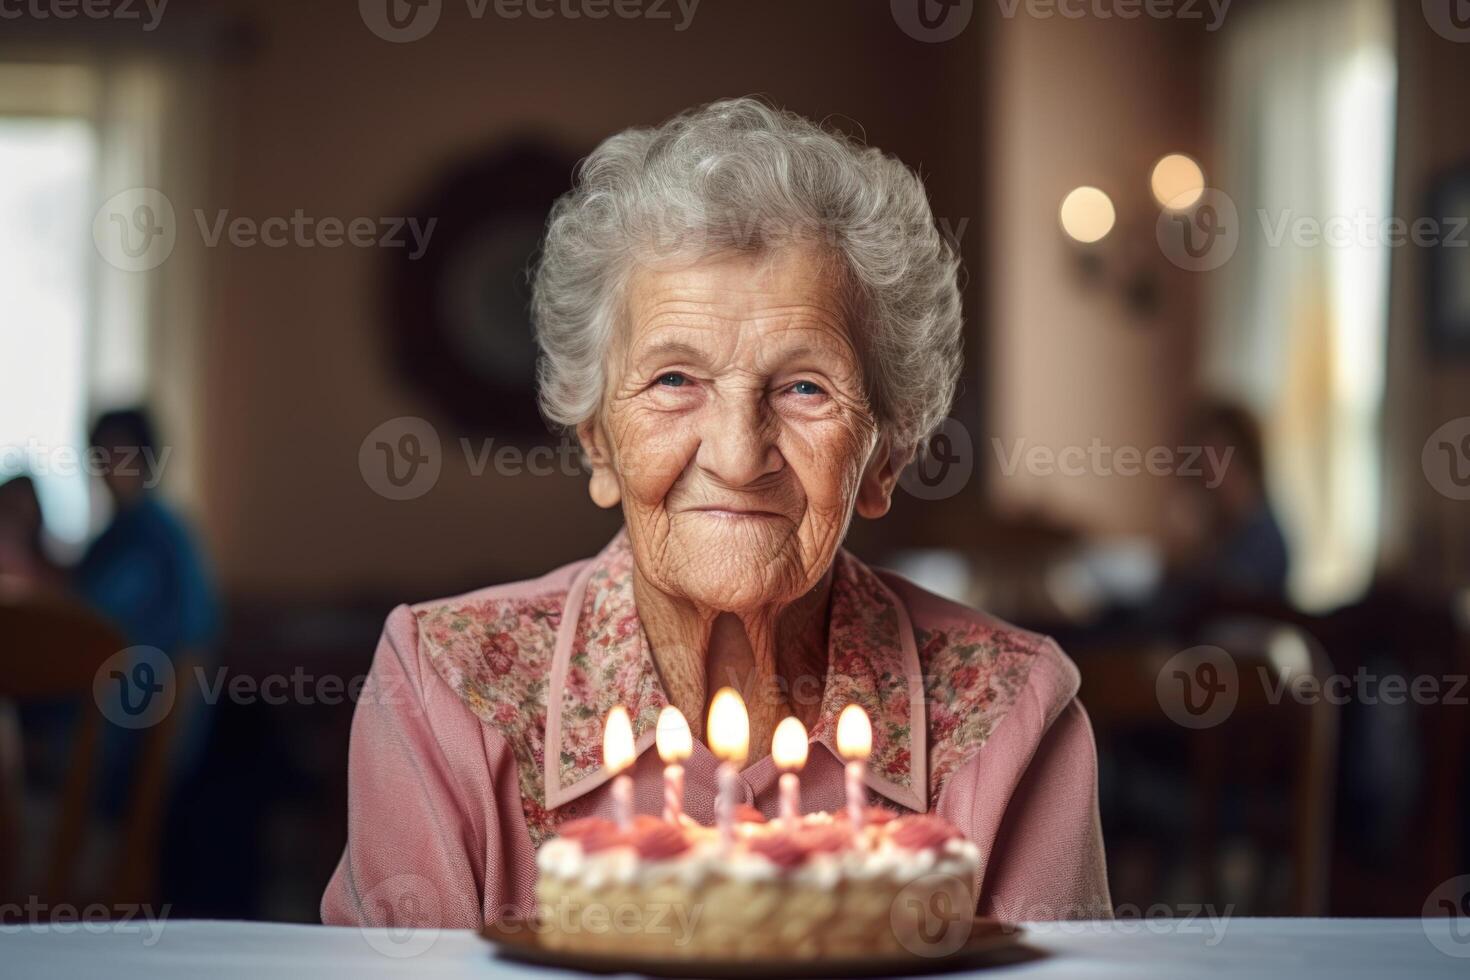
point(741, 175)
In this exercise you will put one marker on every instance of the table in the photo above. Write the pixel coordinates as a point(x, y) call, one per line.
point(1135, 948)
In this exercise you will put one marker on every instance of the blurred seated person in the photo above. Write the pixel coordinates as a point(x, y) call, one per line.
point(25, 568)
point(146, 575)
point(1226, 545)
point(145, 572)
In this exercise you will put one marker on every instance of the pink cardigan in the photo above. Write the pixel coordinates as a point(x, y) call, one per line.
point(479, 731)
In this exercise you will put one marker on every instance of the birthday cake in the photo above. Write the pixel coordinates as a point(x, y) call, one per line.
point(803, 888)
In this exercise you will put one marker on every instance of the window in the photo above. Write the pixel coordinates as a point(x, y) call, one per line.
point(73, 329)
point(46, 263)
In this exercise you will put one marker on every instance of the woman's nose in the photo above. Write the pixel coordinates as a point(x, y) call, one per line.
point(737, 444)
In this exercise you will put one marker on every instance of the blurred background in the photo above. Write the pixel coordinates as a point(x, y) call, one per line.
point(268, 373)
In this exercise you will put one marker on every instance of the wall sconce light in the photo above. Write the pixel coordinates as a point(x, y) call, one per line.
point(1088, 217)
point(1177, 182)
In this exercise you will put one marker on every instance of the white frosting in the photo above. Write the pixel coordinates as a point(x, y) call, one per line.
point(880, 858)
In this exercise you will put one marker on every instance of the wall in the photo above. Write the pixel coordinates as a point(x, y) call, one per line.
point(1425, 533)
point(328, 118)
point(1087, 102)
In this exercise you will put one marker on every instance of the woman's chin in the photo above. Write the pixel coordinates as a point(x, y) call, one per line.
point(731, 580)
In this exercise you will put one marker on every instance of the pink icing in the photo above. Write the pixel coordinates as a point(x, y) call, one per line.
point(781, 850)
point(874, 815)
point(656, 840)
point(823, 840)
point(584, 827)
point(920, 832)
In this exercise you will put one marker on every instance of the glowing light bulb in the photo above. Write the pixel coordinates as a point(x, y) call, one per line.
point(1177, 182)
point(1087, 215)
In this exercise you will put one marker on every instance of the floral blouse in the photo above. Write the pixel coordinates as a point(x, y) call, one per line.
point(479, 731)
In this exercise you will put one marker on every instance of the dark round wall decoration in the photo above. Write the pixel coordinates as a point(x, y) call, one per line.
point(460, 321)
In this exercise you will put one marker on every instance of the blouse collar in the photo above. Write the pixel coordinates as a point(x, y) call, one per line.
point(603, 658)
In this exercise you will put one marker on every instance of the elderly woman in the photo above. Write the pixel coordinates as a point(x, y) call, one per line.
point(750, 323)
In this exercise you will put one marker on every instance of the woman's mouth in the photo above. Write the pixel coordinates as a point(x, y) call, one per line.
point(736, 513)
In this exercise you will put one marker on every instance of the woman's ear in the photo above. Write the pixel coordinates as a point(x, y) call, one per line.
point(603, 487)
point(875, 491)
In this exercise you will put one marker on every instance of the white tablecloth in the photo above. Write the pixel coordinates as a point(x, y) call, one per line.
point(1298, 949)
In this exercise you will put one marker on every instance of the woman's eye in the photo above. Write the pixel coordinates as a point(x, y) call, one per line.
point(672, 380)
point(807, 388)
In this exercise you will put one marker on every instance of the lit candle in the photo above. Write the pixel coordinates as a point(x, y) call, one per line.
point(855, 744)
point(729, 739)
point(674, 745)
point(788, 751)
point(617, 755)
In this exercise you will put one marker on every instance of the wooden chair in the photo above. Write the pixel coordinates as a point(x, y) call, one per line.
point(1271, 659)
point(52, 651)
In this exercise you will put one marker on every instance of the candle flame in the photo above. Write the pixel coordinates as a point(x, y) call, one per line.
point(617, 740)
point(788, 745)
point(854, 734)
point(672, 736)
point(729, 726)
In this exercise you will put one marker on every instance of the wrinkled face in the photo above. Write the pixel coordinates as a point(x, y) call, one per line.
point(735, 429)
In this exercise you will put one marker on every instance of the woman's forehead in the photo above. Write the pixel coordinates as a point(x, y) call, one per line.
point(784, 304)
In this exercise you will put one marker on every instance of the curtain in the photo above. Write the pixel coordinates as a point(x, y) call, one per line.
point(1297, 318)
